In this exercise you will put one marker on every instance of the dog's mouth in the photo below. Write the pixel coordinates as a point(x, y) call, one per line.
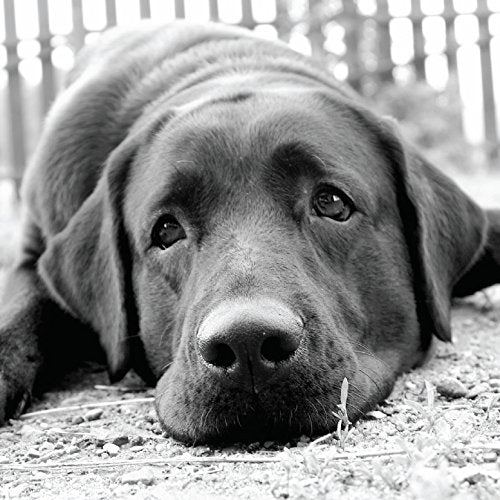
point(279, 413)
point(256, 422)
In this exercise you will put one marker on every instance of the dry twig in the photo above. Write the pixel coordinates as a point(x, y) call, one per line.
point(85, 406)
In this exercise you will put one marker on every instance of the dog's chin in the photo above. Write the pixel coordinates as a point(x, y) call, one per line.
point(278, 414)
point(249, 428)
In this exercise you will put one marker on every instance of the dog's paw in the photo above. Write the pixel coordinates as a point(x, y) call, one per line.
point(14, 399)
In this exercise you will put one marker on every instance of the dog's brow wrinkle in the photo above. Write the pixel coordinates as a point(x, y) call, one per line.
point(319, 159)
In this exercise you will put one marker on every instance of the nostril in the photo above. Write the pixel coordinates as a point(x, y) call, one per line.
point(278, 348)
point(219, 354)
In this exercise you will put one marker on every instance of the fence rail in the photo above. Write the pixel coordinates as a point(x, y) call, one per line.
point(367, 42)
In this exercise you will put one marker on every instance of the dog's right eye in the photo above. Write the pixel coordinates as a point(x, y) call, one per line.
point(166, 232)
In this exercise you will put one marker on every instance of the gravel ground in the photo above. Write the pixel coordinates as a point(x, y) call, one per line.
point(441, 424)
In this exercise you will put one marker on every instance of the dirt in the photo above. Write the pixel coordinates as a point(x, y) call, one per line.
point(446, 444)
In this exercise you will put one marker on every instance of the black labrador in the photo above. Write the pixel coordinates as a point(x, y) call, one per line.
point(238, 227)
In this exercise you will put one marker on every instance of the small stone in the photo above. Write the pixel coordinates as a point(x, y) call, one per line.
point(376, 414)
point(29, 432)
point(137, 441)
point(451, 388)
point(77, 420)
point(304, 439)
point(136, 449)
point(144, 476)
point(4, 460)
point(410, 386)
point(72, 449)
point(8, 436)
point(268, 444)
point(111, 449)
point(490, 456)
point(495, 382)
point(199, 451)
point(33, 453)
point(120, 440)
point(94, 414)
point(477, 390)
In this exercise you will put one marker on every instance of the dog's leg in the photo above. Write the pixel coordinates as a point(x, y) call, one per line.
point(25, 312)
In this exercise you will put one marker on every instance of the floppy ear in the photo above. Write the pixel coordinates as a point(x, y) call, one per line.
point(86, 266)
point(486, 270)
point(446, 232)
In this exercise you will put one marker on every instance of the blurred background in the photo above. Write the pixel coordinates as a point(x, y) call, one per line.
point(434, 65)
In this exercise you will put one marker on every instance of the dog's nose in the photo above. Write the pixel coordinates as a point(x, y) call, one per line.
point(249, 341)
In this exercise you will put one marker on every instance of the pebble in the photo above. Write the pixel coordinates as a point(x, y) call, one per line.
point(451, 388)
point(495, 382)
point(205, 450)
point(477, 390)
point(111, 449)
point(144, 476)
point(376, 414)
point(490, 456)
point(94, 414)
point(77, 420)
point(120, 440)
point(137, 441)
point(3, 460)
point(33, 453)
point(72, 449)
point(268, 444)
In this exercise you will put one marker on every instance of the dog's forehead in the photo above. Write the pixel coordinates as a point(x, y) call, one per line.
point(234, 139)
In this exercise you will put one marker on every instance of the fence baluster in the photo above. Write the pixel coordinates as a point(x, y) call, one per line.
point(418, 39)
point(180, 10)
point(451, 41)
point(145, 7)
point(214, 10)
point(48, 85)
point(384, 60)
point(110, 13)
point(247, 14)
point(352, 35)
point(78, 35)
point(490, 122)
point(17, 152)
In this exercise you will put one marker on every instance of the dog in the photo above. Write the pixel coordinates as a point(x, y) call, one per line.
point(238, 228)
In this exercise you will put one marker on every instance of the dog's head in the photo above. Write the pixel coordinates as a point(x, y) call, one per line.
point(264, 247)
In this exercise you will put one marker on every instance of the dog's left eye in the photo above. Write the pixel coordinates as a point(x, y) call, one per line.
point(166, 232)
point(333, 204)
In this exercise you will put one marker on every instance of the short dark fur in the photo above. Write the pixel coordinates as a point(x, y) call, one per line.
point(233, 135)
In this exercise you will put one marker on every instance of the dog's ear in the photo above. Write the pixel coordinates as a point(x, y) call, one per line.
point(486, 270)
point(446, 232)
point(86, 265)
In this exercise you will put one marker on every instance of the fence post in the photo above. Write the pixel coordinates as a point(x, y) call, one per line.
point(180, 11)
point(490, 123)
point(384, 60)
point(352, 32)
point(78, 35)
point(110, 13)
point(247, 14)
point(17, 144)
point(315, 29)
point(145, 9)
point(451, 41)
point(48, 87)
point(418, 40)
